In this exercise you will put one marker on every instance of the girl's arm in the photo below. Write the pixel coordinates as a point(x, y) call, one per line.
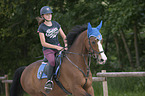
point(45, 44)
point(63, 36)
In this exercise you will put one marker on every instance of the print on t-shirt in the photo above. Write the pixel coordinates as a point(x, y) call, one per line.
point(52, 33)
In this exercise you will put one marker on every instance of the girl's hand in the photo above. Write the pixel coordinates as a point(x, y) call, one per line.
point(66, 46)
point(60, 48)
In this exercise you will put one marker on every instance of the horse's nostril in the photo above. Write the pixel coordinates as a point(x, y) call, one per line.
point(102, 60)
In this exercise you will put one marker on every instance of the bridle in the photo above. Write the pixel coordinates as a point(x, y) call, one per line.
point(94, 52)
point(89, 55)
point(91, 48)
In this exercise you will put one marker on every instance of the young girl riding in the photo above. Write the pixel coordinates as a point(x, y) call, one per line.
point(48, 33)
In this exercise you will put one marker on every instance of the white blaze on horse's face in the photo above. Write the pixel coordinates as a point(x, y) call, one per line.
point(102, 57)
point(95, 33)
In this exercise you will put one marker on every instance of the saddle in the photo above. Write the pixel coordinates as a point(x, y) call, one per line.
point(56, 75)
point(58, 60)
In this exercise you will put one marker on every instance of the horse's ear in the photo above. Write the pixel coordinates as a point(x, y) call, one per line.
point(89, 27)
point(99, 26)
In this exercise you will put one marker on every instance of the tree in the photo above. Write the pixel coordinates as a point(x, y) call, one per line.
point(120, 17)
point(20, 44)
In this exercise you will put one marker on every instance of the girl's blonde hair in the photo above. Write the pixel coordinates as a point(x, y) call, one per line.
point(39, 20)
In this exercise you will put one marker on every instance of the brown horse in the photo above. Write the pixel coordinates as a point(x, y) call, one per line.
point(75, 75)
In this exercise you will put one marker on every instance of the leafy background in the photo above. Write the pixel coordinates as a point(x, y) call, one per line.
point(123, 31)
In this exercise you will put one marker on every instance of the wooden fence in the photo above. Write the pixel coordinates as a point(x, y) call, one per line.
point(101, 76)
point(6, 81)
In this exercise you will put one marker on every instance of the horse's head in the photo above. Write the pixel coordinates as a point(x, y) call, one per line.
point(95, 43)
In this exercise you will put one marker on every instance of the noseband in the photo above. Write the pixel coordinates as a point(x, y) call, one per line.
point(91, 48)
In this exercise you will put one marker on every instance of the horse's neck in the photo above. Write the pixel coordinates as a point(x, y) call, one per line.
point(79, 47)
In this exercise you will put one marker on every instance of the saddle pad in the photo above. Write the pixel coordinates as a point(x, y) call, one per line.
point(40, 73)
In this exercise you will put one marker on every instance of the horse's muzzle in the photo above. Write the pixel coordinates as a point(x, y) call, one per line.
point(101, 58)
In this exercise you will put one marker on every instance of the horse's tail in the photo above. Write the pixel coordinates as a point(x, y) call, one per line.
point(16, 88)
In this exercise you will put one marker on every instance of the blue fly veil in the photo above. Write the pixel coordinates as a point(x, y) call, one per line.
point(94, 31)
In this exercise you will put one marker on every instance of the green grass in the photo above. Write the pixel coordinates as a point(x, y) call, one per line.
point(122, 87)
point(130, 86)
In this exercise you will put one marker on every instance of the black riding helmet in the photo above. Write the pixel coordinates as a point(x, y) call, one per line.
point(45, 10)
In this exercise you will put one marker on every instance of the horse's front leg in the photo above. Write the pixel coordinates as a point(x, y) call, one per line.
point(90, 90)
point(88, 87)
point(77, 90)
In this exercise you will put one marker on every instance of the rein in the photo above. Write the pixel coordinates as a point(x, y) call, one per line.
point(89, 55)
point(83, 55)
point(88, 65)
point(86, 75)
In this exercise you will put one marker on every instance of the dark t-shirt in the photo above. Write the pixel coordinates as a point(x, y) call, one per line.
point(50, 33)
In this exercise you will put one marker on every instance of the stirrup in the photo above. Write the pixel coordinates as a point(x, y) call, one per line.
point(49, 85)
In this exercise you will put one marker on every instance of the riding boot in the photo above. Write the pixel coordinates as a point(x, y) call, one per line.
point(49, 70)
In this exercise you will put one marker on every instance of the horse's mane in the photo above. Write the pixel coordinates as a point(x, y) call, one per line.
point(73, 34)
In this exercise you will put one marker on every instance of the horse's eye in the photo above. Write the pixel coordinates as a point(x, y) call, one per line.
point(93, 42)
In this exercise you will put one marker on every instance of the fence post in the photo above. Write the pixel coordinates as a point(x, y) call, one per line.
point(105, 87)
point(6, 86)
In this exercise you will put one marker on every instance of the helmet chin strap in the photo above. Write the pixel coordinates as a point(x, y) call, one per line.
point(46, 20)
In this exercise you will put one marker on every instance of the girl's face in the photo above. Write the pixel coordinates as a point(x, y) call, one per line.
point(48, 16)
